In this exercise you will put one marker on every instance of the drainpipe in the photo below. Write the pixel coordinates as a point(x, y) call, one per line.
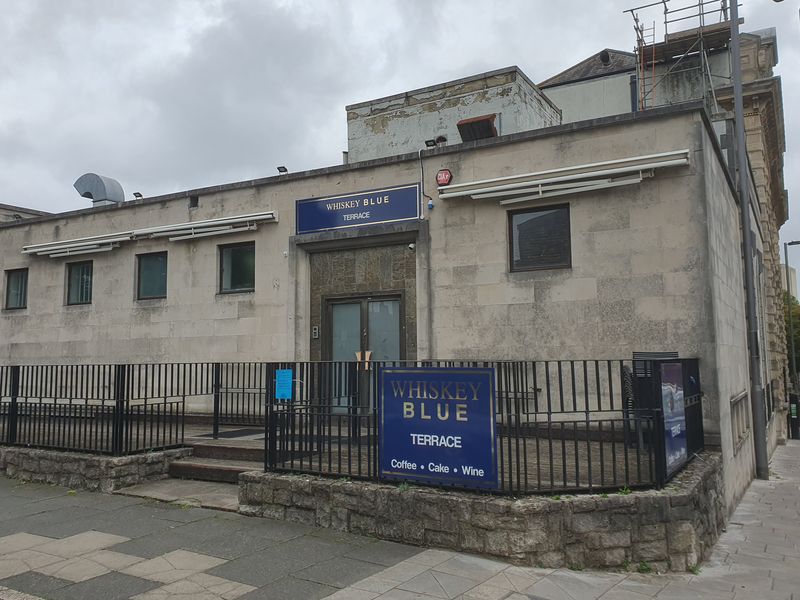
point(428, 276)
point(756, 386)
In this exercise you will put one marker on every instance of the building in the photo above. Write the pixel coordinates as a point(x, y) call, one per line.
point(17, 213)
point(467, 222)
point(792, 280)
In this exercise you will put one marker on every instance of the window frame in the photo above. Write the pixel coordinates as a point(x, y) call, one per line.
point(71, 266)
point(221, 270)
point(139, 257)
point(510, 224)
point(7, 295)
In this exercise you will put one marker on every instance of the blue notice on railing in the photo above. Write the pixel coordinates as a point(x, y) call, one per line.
point(283, 384)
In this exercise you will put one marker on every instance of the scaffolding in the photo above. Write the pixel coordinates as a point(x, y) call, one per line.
point(681, 52)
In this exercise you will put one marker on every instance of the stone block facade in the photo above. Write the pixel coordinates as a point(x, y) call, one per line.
point(87, 471)
point(673, 528)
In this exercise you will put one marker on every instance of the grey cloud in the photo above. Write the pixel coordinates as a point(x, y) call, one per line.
point(172, 95)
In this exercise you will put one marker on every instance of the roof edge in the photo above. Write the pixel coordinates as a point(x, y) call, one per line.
point(24, 209)
point(441, 86)
point(654, 113)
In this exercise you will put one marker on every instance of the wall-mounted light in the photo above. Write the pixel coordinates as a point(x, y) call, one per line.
point(283, 170)
point(430, 143)
point(138, 195)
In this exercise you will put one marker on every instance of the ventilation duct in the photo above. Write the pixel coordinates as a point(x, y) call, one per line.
point(477, 128)
point(102, 191)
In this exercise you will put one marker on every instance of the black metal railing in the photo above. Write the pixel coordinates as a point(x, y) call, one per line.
point(88, 408)
point(561, 426)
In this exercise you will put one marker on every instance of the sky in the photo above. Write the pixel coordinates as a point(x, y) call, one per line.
point(172, 95)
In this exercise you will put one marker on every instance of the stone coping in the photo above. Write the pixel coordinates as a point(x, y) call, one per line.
point(669, 529)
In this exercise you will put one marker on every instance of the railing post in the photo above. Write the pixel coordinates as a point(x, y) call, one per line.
point(658, 442)
point(12, 409)
point(120, 410)
point(270, 437)
point(216, 384)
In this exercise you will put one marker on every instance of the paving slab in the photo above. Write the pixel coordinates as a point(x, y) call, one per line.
point(205, 494)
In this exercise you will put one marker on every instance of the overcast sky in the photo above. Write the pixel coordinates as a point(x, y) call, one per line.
point(171, 95)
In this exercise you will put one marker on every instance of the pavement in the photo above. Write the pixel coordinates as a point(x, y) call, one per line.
point(59, 544)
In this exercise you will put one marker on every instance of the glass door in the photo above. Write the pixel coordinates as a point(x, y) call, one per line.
point(369, 328)
point(383, 328)
point(365, 325)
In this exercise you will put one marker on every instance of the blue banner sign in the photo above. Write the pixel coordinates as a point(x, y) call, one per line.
point(354, 210)
point(437, 425)
point(672, 394)
point(283, 384)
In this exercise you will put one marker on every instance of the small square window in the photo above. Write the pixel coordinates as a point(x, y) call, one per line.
point(539, 238)
point(151, 276)
point(17, 288)
point(79, 282)
point(237, 268)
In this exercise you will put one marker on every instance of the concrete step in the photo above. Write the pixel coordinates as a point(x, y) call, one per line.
point(212, 469)
point(229, 451)
point(205, 494)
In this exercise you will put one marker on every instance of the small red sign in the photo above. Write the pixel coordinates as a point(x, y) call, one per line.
point(443, 177)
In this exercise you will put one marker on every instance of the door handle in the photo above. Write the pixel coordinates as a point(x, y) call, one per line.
point(367, 357)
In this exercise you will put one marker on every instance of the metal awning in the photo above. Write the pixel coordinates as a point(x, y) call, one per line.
point(567, 180)
point(174, 233)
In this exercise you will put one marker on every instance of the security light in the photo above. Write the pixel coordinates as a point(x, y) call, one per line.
point(138, 195)
point(283, 170)
point(430, 143)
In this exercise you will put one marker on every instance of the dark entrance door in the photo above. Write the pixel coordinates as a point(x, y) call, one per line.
point(367, 328)
point(370, 324)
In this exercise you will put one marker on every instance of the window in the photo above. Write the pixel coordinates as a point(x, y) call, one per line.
point(151, 276)
point(477, 128)
point(539, 238)
point(79, 282)
point(17, 288)
point(237, 268)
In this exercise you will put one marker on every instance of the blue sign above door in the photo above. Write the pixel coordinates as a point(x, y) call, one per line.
point(355, 210)
point(437, 425)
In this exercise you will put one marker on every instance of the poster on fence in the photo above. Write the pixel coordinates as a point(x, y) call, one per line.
point(437, 426)
point(672, 394)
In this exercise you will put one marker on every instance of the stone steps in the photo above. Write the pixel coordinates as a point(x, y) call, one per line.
point(212, 469)
point(229, 451)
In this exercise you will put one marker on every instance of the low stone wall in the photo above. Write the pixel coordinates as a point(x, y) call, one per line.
point(86, 471)
point(670, 529)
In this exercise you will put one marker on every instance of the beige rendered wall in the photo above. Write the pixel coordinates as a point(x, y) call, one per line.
point(636, 283)
point(729, 341)
point(638, 255)
point(194, 322)
point(592, 98)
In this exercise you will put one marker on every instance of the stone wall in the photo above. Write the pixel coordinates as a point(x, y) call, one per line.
point(86, 471)
point(673, 528)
